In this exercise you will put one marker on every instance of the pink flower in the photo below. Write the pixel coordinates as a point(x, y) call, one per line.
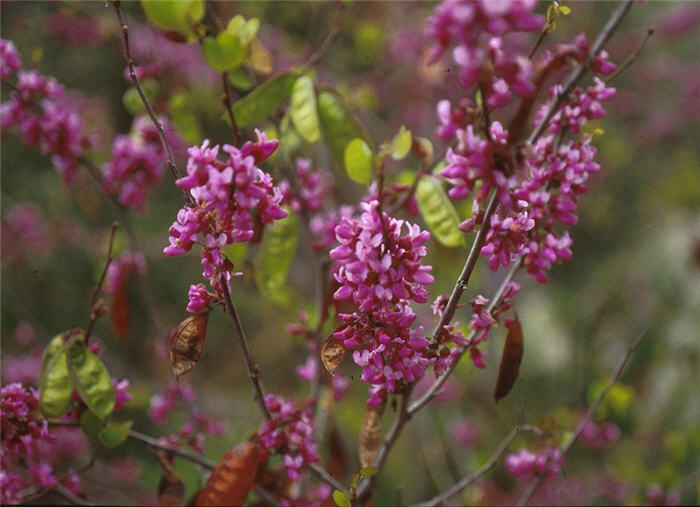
point(9, 58)
point(199, 298)
point(225, 195)
point(545, 463)
point(123, 268)
point(309, 190)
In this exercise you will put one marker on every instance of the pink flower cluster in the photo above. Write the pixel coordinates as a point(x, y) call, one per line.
point(36, 108)
point(598, 435)
point(380, 268)
point(162, 404)
point(137, 162)
point(289, 433)
point(323, 225)
point(339, 383)
point(21, 431)
point(545, 463)
point(225, 194)
point(497, 67)
point(310, 190)
point(123, 268)
point(24, 233)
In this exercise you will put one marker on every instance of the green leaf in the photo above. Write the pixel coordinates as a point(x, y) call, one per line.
point(437, 211)
point(55, 386)
point(115, 434)
point(90, 377)
point(240, 80)
point(182, 115)
point(277, 249)
point(401, 144)
point(358, 161)
point(132, 100)
point(177, 15)
point(302, 109)
point(339, 125)
point(236, 252)
point(368, 471)
point(245, 31)
point(263, 100)
point(341, 499)
point(91, 424)
point(224, 52)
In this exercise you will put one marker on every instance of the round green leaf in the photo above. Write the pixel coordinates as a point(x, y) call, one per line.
point(438, 212)
point(302, 109)
point(276, 255)
point(340, 126)
point(263, 100)
point(224, 52)
point(55, 386)
point(401, 144)
point(177, 15)
point(115, 434)
point(90, 377)
point(341, 499)
point(358, 161)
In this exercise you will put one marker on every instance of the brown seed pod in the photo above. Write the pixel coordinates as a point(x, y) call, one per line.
point(332, 354)
point(370, 436)
point(510, 362)
point(187, 343)
point(233, 477)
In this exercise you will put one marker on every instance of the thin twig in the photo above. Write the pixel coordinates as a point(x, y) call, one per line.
point(434, 389)
point(326, 44)
point(587, 416)
point(628, 61)
point(470, 263)
point(403, 416)
point(228, 104)
point(149, 109)
point(94, 315)
point(326, 477)
point(484, 469)
point(253, 370)
point(578, 73)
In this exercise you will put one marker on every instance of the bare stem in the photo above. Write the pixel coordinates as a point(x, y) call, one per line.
point(390, 439)
point(437, 385)
point(587, 416)
point(628, 61)
point(326, 477)
point(253, 370)
point(149, 109)
point(94, 315)
point(577, 74)
point(484, 469)
point(465, 275)
point(228, 104)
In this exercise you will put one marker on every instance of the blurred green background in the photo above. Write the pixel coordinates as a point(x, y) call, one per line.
point(636, 263)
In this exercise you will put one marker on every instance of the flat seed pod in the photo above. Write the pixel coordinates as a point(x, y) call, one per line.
point(370, 435)
point(303, 110)
point(233, 477)
point(187, 343)
point(332, 354)
point(55, 385)
point(120, 313)
point(438, 212)
point(90, 377)
point(510, 362)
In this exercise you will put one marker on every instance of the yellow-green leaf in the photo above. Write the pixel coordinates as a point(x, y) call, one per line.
point(401, 144)
point(225, 52)
point(177, 15)
point(182, 115)
point(438, 212)
point(358, 161)
point(341, 499)
point(276, 254)
point(303, 111)
point(114, 434)
point(340, 126)
point(55, 386)
point(263, 100)
point(90, 377)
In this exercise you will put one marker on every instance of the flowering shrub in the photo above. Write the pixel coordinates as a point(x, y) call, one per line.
point(342, 203)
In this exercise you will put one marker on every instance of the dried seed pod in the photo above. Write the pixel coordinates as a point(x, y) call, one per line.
point(233, 477)
point(510, 361)
point(370, 436)
point(187, 343)
point(332, 354)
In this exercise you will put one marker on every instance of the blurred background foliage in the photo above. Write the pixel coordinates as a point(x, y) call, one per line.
point(636, 262)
